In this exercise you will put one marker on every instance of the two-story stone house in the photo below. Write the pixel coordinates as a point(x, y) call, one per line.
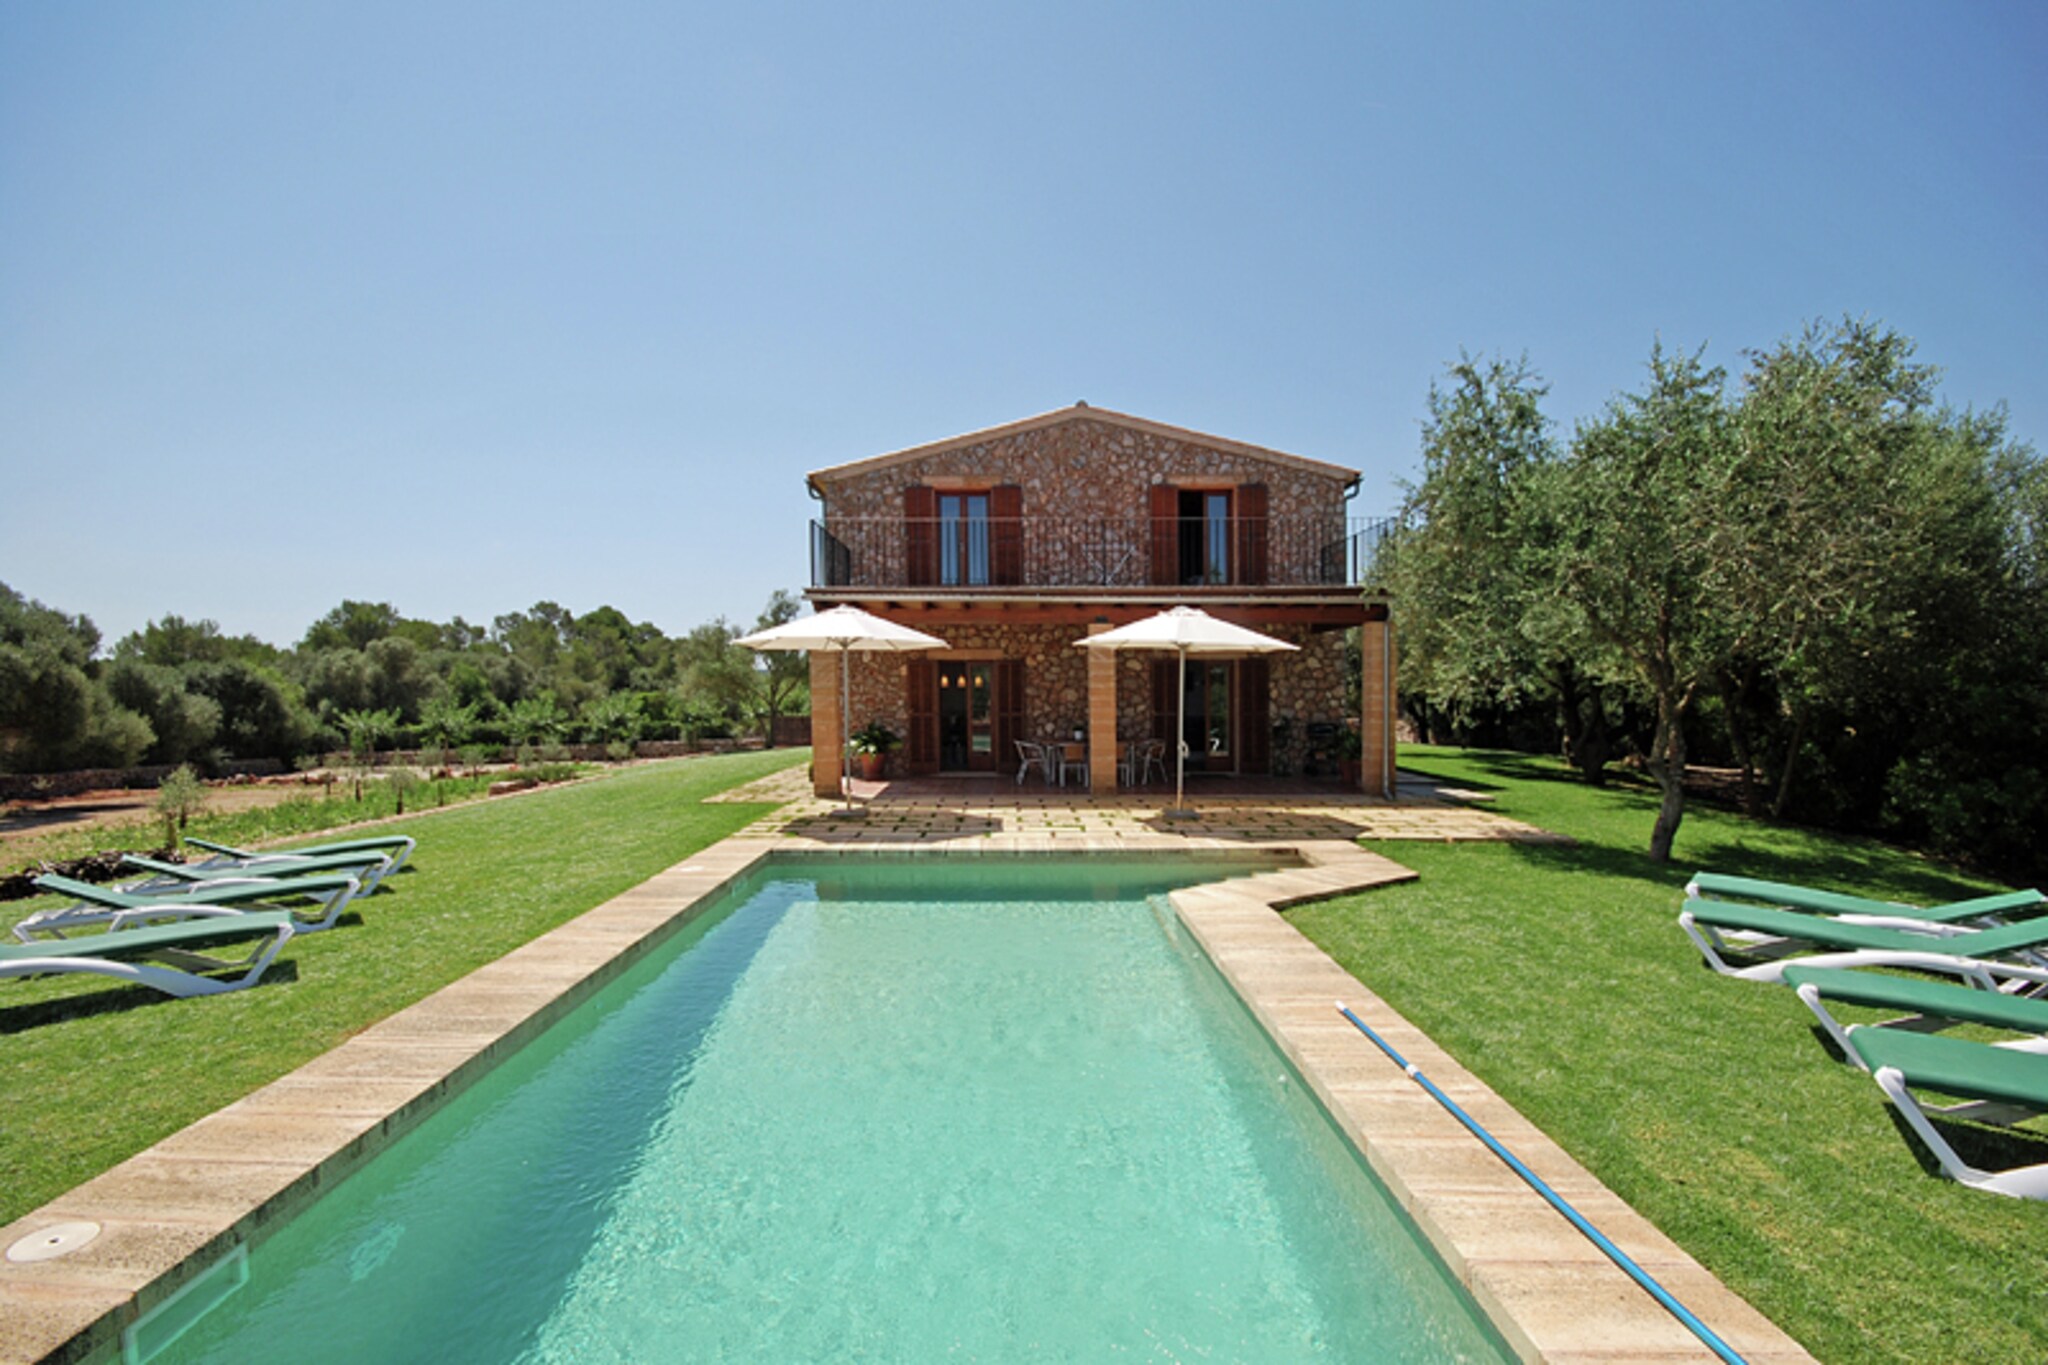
point(1013, 543)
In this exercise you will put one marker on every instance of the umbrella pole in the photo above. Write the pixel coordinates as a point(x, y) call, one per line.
point(1180, 744)
point(845, 733)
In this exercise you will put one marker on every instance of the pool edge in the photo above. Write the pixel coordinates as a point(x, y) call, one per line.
point(169, 1212)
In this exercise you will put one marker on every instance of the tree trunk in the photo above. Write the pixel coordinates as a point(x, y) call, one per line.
point(1584, 716)
point(1734, 695)
point(1798, 736)
point(1667, 765)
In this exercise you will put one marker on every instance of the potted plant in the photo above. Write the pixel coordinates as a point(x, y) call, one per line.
point(871, 746)
point(1349, 747)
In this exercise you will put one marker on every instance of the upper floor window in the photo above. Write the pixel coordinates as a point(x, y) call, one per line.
point(1209, 537)
point(963, 540)
point(1204, 537)
point(963, 537)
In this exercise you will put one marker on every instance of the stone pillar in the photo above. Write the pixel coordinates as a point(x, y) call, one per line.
point(1376, 708)
point(825, 733)
point(1102, 739)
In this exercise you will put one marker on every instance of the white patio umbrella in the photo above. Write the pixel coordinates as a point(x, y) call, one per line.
point(1185, 631)
point(841, 631)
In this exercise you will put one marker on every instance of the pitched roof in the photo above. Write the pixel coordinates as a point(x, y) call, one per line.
point(1080, 412)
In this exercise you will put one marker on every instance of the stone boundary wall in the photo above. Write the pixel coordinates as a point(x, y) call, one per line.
point(42, 786)
point(790, 732)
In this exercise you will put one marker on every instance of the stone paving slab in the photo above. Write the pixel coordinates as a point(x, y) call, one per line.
point(169, 1212)
point(1552, 1294)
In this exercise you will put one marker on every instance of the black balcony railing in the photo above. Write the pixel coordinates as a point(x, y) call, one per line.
point(1101, 552)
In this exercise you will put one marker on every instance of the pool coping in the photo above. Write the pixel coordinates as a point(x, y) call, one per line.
point(169, 1213)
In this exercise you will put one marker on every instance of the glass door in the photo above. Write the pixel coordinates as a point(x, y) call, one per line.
point(1205, 718)
point(966, 718)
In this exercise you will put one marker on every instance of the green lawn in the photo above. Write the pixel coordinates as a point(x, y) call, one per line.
point(93, 1072)
point(1561, 977)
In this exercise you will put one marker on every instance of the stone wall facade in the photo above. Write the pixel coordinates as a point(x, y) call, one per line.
point(1305, 687)
point(1094, 473)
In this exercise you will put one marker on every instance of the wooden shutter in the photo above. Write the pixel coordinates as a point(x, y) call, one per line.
point(1251, 534)
point(921, 751)
point(1009, 713)
point(921, 536)
point(1165, 705)
point(1006, 535)
point(1254, 715)
point(1165, 534)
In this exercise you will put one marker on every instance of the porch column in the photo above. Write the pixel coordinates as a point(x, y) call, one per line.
point(1376, 707)
point(1102, 740)
point(825, 755)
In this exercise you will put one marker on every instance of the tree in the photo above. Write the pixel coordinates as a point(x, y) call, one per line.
point(179, 797)
point(184, 723)
point(174, 642)
point(445, 721)
point(535, 720)
point(261, 714)
point(352, 625)
point(785, 674)
point(368, 730)
point(55, 711)
point(1649, 538)
point(718, 676)
point(611, 719)
point(1466, 563)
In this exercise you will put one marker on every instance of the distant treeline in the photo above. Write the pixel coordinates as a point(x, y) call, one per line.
point(366, 677)
point(1820, 577)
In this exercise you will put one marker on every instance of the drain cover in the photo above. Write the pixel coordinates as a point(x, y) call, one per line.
point(59, 1239)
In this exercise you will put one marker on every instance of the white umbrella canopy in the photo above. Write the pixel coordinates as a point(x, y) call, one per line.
point(1185, 631)
point(842, 631)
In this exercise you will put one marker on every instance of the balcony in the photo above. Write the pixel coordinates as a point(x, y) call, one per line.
point(1049, 553)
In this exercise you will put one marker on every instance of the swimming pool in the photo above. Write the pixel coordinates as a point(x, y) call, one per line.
point(884, 1110)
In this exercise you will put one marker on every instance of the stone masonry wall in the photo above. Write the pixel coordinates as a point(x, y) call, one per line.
point(1083, 470)
point(1306, 686)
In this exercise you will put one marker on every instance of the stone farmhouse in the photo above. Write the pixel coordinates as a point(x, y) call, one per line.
point(1013, 543)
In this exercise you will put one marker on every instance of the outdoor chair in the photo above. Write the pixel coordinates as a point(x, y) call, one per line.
point(1075, 763)
point(397, 847)
point(1786, 896)
point(368, 867)
point(1996, 1085)
point(1031, 756)
point(96, 907)
point(2003, 955)
point(1930, 1005)
point(1152, 759)
point(176, 948)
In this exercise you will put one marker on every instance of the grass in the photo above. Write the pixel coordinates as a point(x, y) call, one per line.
point(94, 1072)
point(1560, 976)
point(300, 814)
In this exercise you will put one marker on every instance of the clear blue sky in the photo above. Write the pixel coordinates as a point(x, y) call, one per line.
point(462, 306)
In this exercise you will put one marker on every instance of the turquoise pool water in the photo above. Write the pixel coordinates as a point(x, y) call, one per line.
point(965, 1110)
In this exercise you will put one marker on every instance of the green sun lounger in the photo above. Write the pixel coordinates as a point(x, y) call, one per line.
point(1992, 957)
point(1785, 896)
point(367, 866)
point(396, 847)
point(105, 907)
point(1930, 1005)
point(1996, 1085)
point(177, 952)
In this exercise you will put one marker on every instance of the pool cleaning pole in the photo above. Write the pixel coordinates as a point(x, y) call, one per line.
point(1556, 1201)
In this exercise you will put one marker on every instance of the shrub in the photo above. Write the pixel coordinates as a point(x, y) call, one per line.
point(179, 797)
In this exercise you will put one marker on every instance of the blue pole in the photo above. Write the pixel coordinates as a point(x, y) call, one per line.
point(1556, 1201)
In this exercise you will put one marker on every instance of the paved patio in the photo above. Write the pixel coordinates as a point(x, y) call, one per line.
point(1233, 810)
